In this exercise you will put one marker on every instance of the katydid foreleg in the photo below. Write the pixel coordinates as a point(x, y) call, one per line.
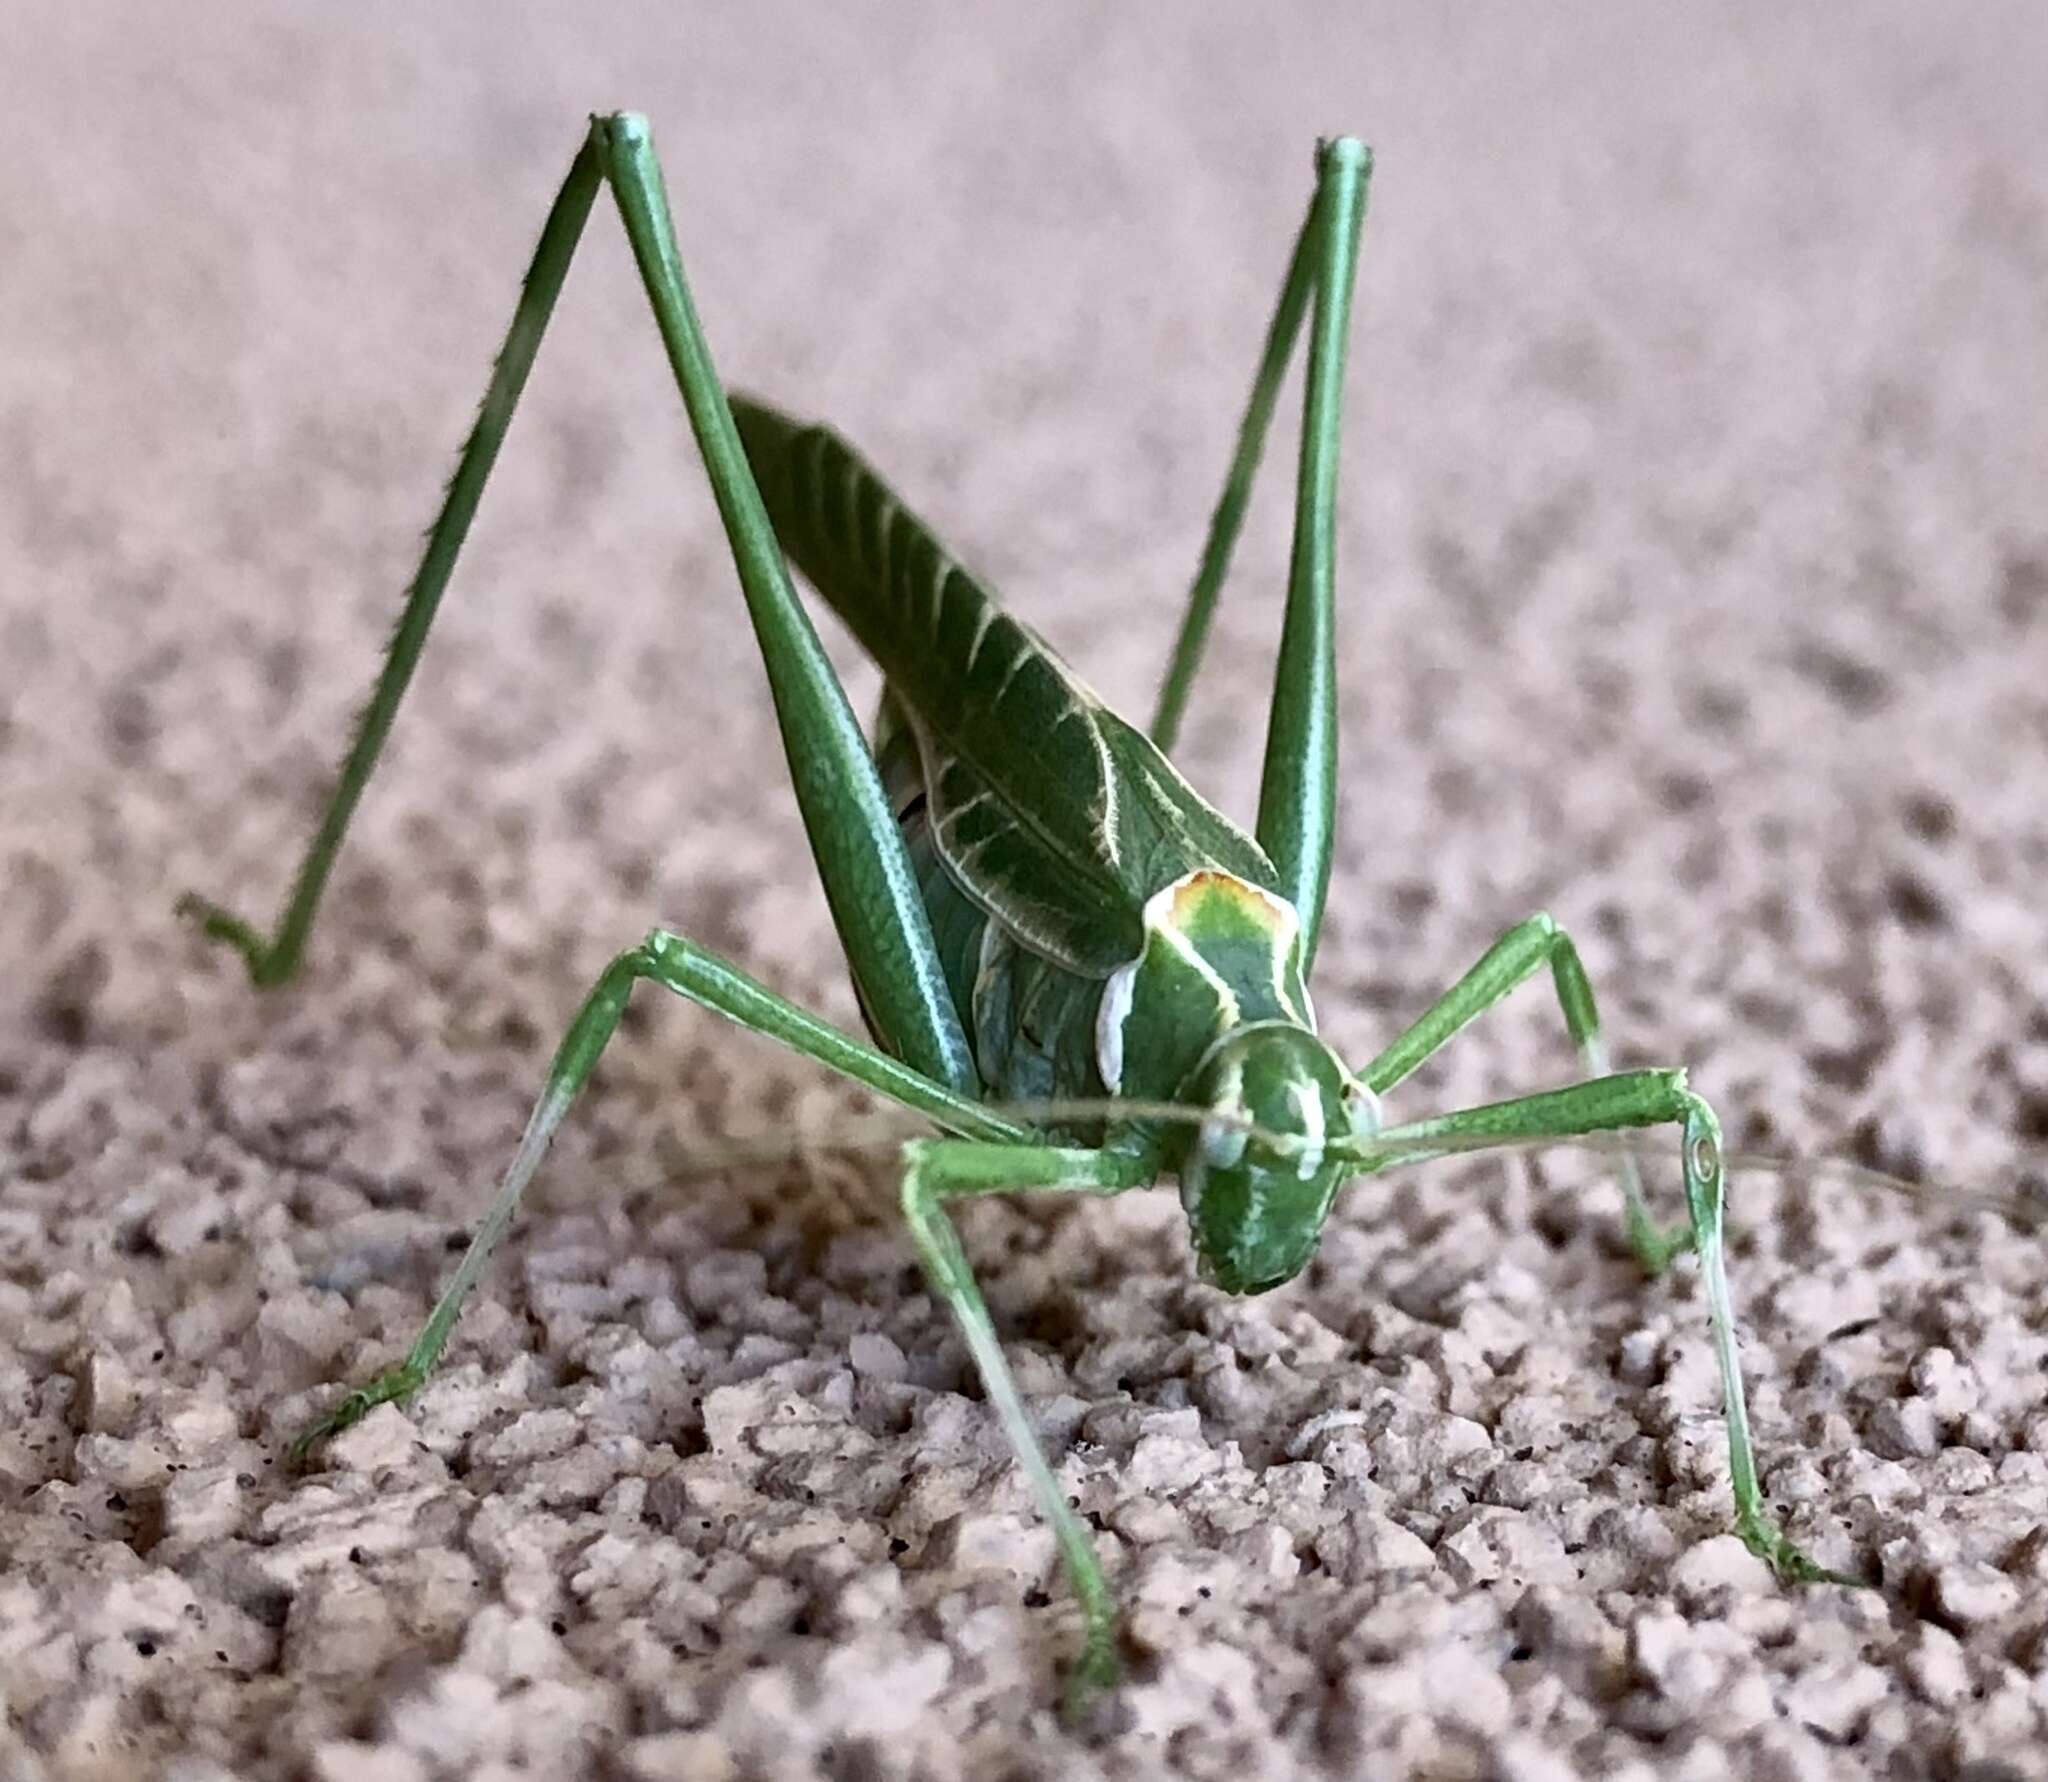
point(1510, 962)
point(1621, 1103)
point(939, 1170)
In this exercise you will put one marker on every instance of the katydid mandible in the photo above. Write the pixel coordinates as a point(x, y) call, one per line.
point(1034, 904)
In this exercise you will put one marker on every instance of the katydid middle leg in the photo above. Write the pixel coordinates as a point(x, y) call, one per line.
point(1510, 962)
point(1298, 783)
point(992, 1155)
point(1621, 1103)
point(691, 971)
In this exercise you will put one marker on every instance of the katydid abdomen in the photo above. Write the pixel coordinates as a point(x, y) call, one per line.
point(1030, 1022)
point(1039, 822)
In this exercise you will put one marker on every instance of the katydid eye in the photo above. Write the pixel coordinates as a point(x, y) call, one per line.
point(1223, 1140)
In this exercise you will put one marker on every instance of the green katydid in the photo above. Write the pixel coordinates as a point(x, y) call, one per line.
point(1034, 904)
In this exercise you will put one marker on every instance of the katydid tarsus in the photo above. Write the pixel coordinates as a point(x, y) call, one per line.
point(1033, 902)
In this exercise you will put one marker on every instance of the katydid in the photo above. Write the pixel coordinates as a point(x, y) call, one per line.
point(1033, 903)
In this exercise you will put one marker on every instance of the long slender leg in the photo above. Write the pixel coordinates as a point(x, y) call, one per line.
point(868, 878)
point(1614, 1104)
point(1510, 962)
point(273, 960)
point(692, 971)
point(1298, 784)
point(939, 1170)
point(1226, 521)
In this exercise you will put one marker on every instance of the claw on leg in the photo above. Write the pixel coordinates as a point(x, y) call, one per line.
point(1656, 1249)
point(1784, 1556)
point(391, 1387)
point(219, 923)
point(1094, 1671)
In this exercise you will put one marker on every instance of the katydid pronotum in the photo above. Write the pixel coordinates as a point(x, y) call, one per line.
point(1034, 904)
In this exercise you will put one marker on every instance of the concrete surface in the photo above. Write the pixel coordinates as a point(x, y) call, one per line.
point(1695, 567)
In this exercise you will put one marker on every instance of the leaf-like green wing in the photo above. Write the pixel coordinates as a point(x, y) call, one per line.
point(1049, 810)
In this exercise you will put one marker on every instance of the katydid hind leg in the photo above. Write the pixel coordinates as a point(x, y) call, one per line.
point(272, 959)
point(1510, 962)
point(1228, 518)
point(1621, 1103)
point(1298, 780)
point(940, 1170)
point(869, 882)
point(703, 977)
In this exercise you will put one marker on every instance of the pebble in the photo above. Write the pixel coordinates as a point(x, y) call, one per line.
point(1366, 1545)
point(1492, 1545)
point(1906, 1429)
point(1945, 1382)
point(1711, 1574)
point(874, 1356)
point(1834, 1698)
point(1968, 1596)
point(1935, 1666)
point(1168, 1462)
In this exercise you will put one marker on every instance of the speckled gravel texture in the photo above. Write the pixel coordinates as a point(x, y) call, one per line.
point(1695, 570)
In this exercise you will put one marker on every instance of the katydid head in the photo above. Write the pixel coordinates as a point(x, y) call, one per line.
point(1258, 1177)
point(1214, 1015)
